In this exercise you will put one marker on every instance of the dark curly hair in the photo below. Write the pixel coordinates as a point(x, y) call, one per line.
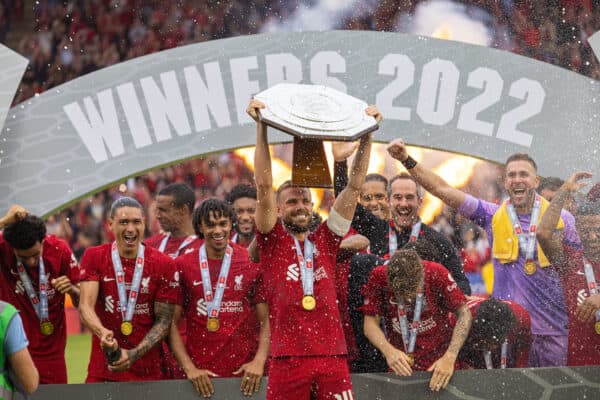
point(493, 321)
point(241, 191)
point(215, 207)
point(24, 234)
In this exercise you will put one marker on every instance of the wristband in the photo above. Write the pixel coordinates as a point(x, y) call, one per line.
point(409, 163)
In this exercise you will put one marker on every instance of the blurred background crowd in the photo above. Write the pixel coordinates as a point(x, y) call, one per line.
point(66, 39)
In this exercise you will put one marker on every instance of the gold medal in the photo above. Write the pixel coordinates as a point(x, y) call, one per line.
point(411, 359)
point(530, 268)
point(126, 328)
point(47, 328)
point(212, 324)
point(597, 327)
point(309, 303)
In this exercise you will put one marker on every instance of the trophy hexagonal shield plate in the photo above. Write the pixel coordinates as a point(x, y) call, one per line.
point(315, 112)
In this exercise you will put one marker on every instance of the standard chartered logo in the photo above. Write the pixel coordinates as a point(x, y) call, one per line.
point(109, 304)
point(345, 395)
point(201, 308)
point(293, 273)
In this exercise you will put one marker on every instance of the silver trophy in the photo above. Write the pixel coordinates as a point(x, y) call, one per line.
point(312, 114)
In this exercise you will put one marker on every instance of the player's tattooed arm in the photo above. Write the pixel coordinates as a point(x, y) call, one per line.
point(461, 330)
point(163, 315)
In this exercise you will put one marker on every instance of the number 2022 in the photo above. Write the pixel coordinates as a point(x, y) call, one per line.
point(438, 92)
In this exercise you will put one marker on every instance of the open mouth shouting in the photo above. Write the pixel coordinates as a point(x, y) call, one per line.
point(519, 195)
point(130, 239)
point(404, 216)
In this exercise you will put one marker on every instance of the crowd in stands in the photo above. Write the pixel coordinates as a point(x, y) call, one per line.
point(411, 270)
point(72, 38)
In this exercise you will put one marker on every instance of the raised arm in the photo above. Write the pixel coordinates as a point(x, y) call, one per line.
point(266, 207)
point(433, 183)
point(341, 151)
point(550, 240)
point(15, 213)
point(345, 203)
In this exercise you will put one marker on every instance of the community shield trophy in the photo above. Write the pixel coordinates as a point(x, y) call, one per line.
point(312, 114)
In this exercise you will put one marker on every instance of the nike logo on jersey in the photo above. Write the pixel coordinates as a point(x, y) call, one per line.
point(107, 279)
point(187, 251)
point(197, 283)
point(580, 272)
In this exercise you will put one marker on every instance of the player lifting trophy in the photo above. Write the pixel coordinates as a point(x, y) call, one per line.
point(298, 265)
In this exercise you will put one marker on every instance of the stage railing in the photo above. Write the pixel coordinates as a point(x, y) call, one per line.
point(513, 384)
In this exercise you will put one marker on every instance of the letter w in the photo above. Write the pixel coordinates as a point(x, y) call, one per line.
point(101, 130)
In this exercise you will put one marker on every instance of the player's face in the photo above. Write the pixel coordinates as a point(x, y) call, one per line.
point(588, 227)
point(245, 208)
point(128, 226)
point(216, 234)
point(30, 258)
point(520, 182)
point(373, 196)
point(295, 208)
point(404, 203)
point(169, 217)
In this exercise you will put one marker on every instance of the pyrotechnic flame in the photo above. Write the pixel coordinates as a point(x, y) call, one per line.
point(282, 172)
point(443, 32)
point(457, 170)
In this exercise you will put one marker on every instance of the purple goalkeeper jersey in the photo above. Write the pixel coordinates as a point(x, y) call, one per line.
point(540, 294)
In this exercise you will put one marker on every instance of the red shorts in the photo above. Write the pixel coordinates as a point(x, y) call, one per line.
point(51, 371)
point(325, 377)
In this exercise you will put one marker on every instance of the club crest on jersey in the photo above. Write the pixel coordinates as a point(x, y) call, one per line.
point(238, 282)
point(145, 284)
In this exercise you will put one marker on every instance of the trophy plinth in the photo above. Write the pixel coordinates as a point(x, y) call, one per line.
point(312, 114)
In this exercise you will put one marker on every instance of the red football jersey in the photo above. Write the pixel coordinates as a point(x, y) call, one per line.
point(519, 340)
point(584, 342)
point(442, 295)
point(295, 331)
point(48, 352)
point(160, 283)
point(236, 340)
point(173, 243)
